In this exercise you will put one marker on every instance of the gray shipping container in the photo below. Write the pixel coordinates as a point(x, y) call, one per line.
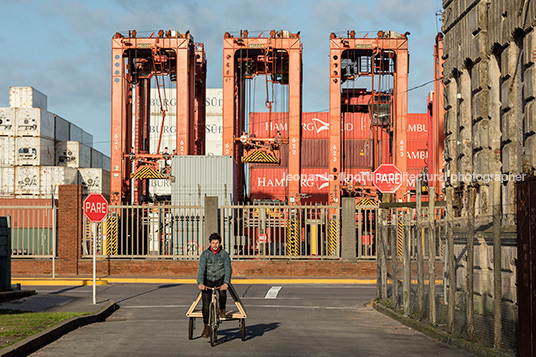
point(73, 154)
point(7, 122)
point(96, 159)
point(27, 97)
point(34, 122)
point(106, 163)
point(61, 128)
point(200, 176)
point(75, 133)
point(87, 138)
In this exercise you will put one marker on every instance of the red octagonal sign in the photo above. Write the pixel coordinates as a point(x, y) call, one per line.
point(387, 178)
point(95, 207)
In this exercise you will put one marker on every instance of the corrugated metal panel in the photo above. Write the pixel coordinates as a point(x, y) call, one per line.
point(61, 129)
point(314, 185)
point(7, 181)
point(314, 153)
point(26, 97)
point(96, 159)
point(27, 217)
point(73, 154)
point(356, 126)
point(200, 176)
point(417, 127)
point(36, 151)
point(357, 177)
point(357, 154)
point(34, 122)
point(214, 135)
point(7, 121)
point(266, 183)
point(75, 133)
point(315, 126)
point(417, 153)
point(412, 174)
point(95, 180)
point(51, 177)
point(7, 151)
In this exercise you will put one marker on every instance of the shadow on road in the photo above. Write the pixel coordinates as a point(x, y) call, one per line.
point(251, 331)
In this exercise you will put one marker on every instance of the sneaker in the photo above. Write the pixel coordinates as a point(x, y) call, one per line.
point(222, 314)
point(206, 332)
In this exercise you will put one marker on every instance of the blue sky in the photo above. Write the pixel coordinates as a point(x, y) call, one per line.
point(63, 48)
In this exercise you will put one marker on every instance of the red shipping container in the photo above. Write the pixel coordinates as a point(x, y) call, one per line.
point(268, 183)
point(411, 177)
point(357, 154)
point(30, 217)
point(314, 153)
point(315, 126)
point(417, 127)
point(264, 125)
point(357, 176)
point(417, 154)
point(314, 185)
point(356, 126)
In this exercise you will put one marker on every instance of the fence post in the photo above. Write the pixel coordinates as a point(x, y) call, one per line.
point(383, 255)
point(394, 259)
point(5, 253)
point(497, 259)
point(211, 217)
point(420, 253)
point(348, 238)
point(432, 253)
point(470, 265)
point(407, 265)
point(451, 261)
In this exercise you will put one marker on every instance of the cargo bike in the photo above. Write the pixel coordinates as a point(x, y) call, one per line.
point(213, 318)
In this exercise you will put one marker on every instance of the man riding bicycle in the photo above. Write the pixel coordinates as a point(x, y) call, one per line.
point(214, 271)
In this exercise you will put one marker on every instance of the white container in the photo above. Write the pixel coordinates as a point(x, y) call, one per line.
point(27, 180)
point(34, 122)
point(96, 159)
point(106, 163)
point(73, 154)
point(61, 128)
point(26, 97)
point(87, 138)
point(169, 101)
point(34, 151)
point(7, 122)
point(95, 181)
point(214, 101)
point(51, 177)
point(7, 181)
point(7, 151)
point(75, 133)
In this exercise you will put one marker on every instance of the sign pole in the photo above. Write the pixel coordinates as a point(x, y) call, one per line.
point(94, 262)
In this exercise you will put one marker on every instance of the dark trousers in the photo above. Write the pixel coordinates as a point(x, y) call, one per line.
point(207, 296)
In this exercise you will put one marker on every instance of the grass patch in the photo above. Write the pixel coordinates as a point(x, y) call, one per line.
point(16, 325)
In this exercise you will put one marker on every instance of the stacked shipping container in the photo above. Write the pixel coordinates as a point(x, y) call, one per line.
point(33, 141)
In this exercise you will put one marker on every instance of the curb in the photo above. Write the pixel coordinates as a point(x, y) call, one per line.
point(439, 334)
point(6, 296)
point(33, 343)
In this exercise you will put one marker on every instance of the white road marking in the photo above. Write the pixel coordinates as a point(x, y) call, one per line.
point(272, 293)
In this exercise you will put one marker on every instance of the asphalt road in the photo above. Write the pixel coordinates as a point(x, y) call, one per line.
point(302, 320)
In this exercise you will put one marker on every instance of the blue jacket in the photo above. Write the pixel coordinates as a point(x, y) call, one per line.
point(214, 267)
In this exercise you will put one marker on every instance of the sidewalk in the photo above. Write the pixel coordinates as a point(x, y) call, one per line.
point(54, 303)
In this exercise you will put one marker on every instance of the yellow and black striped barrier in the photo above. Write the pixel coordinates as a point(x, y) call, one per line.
point(366, 202)
point(258, 156)
point(146, 172)
point(400, 240)
point(110, 227)
point(293, 237)
point(333, 236)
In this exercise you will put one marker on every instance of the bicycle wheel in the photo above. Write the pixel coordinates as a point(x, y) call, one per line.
point(213, 325)
point(191, 328)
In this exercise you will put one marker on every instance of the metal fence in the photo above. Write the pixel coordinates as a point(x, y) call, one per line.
point(248, 231)
point(267, 231)
point(33, 230)
point(474, 263)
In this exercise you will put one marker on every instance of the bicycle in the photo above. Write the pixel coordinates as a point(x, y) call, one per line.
point(214, 319)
